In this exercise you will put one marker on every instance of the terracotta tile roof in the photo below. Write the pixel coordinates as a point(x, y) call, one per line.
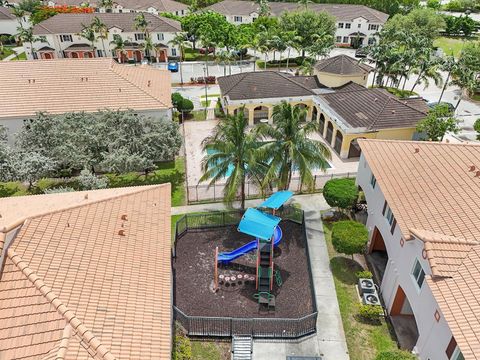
point(160, 5)
point(433, 190)
point(6, 14)
point(266, 84)
point(375, 109)
point(444, 253)
point(92, 280)
point(74, 23)
point(459, 300)
point(342, 12)
point(64, 85)
point(342, 65)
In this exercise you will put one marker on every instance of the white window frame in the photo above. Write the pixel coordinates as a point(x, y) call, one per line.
point(340, 25)
point(389, 215)
point(160, 36)
point(416, 278)
point(66, 38)
point(457, 354)
point(373, 27)
point(237, 19)
point(359, 25)
point(345, 39)
point(339, 39)
point(348, 25)
point(139, 36)
point(174, 52)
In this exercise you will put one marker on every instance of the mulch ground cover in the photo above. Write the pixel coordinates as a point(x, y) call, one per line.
point(194, 275)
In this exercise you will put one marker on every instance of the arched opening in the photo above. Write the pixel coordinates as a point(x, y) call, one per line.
point(87, 55)
point(47, 56)
point(321, 124)
point(402, 317)
point(241, 110)
point(74, 55)
point(338, 142)
point(260, 114)
point(314, 113)
point(377, 254)
point(329, 135)
point(304, 108)
point(354, 150)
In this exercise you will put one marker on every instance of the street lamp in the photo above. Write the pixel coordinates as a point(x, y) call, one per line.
point(206, 94)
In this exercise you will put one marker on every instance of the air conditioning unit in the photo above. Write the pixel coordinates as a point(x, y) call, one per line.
point(371, 299)
point(366, 286)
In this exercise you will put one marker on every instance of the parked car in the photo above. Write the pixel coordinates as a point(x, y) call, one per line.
point(173, 66)
point(361, 52)
point(433, 104)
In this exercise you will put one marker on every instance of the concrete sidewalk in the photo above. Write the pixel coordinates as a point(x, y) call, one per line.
point(329, 340)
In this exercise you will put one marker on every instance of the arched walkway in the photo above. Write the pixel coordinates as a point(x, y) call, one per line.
point(329, 134)
point(260, 113)
point(338, 142)
point(304, 107)
point(240, 110)
point(354, 150)
point(47, 56)
point(138, 56)
point(74, 55)
point(321, 124)
point(88, 55)
point(314, 113)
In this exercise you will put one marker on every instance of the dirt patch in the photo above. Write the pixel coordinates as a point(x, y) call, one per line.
point(194, 268)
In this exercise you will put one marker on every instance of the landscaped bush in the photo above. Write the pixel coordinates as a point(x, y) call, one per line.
point(370, 313)
point(176, 99)
point(219, 113)
point(349, 237)
point(341, 193)
point(462, 5)
point(395, 355)
point(185, 106)
point(364, 274)
point(203, 80)
point(476, 127)
point(182, 349)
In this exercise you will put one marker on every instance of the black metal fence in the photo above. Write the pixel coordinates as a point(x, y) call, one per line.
point(281, 328)
point(204, 192)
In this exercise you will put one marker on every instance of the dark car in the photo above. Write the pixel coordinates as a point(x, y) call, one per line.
point(361, 53)
point(434, 104)
point(173, 66)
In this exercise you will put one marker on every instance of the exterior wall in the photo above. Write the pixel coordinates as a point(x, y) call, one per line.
point(8, 27)
point(335, 80)
point(53, 41)
point(434, 335)
point(14, 125)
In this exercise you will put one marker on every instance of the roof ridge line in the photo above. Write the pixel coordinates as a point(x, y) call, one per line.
point(17, 223)
point(242, 77)
point(377, 116)
point(114, 64)
point(290, 78)
point(77, 325)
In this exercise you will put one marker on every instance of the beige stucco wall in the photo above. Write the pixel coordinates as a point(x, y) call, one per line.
point(335, 80)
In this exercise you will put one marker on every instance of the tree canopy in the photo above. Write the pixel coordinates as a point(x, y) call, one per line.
point(438, 122)
point(349, 237)
point(340, 193)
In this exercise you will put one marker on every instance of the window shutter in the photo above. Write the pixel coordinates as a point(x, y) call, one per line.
point(384, 208)
point(451, 348)
point(394, 223)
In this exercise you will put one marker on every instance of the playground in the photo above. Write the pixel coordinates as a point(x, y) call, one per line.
point(250, 265)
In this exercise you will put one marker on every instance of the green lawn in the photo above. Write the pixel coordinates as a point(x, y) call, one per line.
point(7, 50)
point(172, 172)
point(363, 340)
point(206, 103)
point(450, 45)
point(194, 55)
point(210, 96)
point(197, 115)
point(21, 56)
point(209, 350)
point(398, 92)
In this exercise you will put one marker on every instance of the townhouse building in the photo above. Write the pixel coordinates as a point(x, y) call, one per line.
point(424, 246)
point(60, 37)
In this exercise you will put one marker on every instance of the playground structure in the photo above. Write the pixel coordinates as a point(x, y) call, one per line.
point(265, 228)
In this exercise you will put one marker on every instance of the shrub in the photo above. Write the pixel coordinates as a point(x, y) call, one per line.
point(58, 190)
point(182, 349)
point(89, 181)
point(177, 98)
point(340, 193)
point(349, 237)
point(370, 313)
point(364, 274)
point(185, 106)
point(395, 355)
point(476, 127)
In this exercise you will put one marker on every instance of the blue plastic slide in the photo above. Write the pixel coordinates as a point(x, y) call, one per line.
point(226, 257)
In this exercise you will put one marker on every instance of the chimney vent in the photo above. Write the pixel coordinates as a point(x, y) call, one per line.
point(417, 150)
point(477, 174)
point(124, 217)
point(472, 168)
point(119, 90)
point(121, 232)
point(149, 83)
point(86, 196)
point(393, 111)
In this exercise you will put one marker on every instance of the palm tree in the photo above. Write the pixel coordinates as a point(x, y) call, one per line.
point(429, 69)
point(291, 40)
point(148, 46)
point(102, 30)
point(231, 154)
point(465, 78)
point(88, 33)
point(19, 14)
point(3, 40)
point(106, 4)
point(26, 36)
point(180, 41)
point(263, 8)
point(255, 45)
point(141, 23)
point(119, 47)
point(224, 57)
point(449, 65)
point(288, 147)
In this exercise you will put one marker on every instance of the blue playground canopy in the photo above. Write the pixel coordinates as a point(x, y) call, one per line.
point(258, 224)
point(277, 200)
